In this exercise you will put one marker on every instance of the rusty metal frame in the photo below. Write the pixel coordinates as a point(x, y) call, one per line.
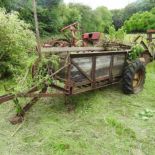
point(88, 84)
point(71, 87)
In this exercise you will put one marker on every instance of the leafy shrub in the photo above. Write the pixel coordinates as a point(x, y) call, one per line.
point(116, 35)
point(140, 22)
point(16, 43)
point(136, 51)
point(112, 33)
point(120, 35)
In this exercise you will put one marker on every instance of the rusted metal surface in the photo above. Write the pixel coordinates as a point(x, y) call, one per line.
point(151, 31)
point(85, 40)
point(18, 118)
point(101, 85)
point(93, 71)
point(6, 98)
point(103, 71)
point(9, 97)
point(93, 38)
point(149, 47)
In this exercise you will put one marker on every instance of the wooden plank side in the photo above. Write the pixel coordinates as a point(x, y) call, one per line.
point(76, 49)
point(71, 49)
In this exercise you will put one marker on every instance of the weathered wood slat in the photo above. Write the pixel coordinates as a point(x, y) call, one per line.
point(75, 49)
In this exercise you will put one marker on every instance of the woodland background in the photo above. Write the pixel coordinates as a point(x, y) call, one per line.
point(54, 14)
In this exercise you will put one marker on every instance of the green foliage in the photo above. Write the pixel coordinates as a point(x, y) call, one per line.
point(7, 4)
point(121, 15)
point(54, 14)
point(140, 22)
point(43, 76)
point(117, 36)
point(24, 79)
point(87, 18)
point(136, 51)
point(17, 105)
point(120, 35)
point(48, 14)
point(120, 129)
point(17, 43)
point(92, 20)
point(112, 33)
point(118, 18)
point(69, 14)
point(45, 69)
point(103, 18)
point(48, 3)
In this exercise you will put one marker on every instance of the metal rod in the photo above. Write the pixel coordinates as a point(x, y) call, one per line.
point(93, 73)
point(9, 97)
point(81, 70)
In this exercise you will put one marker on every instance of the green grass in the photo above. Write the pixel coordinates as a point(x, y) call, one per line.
point(104, 122)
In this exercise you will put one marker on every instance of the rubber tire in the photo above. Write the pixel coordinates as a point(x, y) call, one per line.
point(128, 76)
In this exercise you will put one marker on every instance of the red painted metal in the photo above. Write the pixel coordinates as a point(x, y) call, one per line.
point(91, 36)
point(87, 38)
point(151, 31)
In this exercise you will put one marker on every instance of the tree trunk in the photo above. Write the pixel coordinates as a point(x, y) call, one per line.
point(37, 28)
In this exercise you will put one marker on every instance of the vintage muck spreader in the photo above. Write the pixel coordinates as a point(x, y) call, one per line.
point(84, 69)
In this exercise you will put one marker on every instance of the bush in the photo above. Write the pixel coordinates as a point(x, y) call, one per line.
point(140, 22)
point(117, 36)
point(112, 33)
point(120, 35)
point(16, 43)
point(136, 51)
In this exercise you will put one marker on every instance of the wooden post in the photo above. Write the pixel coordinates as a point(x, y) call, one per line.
point(37, 28)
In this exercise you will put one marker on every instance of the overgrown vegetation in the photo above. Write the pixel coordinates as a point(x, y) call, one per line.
point(136, 50)
point(139, 6)
point(45, 69)
point(117, 36)
point(54, 14)
point(42, 75)
point(141, 22)
point(17, 43)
